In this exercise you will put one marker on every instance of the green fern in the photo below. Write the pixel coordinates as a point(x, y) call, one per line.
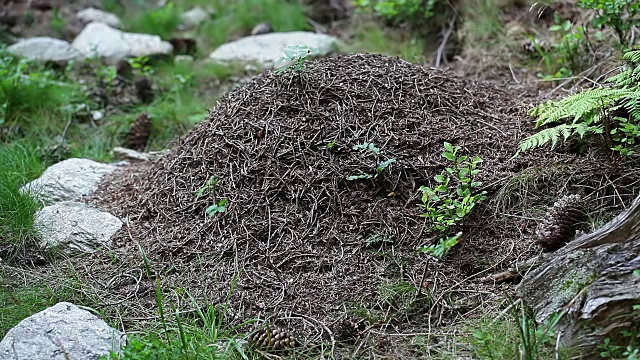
point(585, 112)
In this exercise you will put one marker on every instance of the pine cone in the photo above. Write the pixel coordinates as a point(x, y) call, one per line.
point(560, 223)
point(139, 132)
point(349, 329)
point(272, 339)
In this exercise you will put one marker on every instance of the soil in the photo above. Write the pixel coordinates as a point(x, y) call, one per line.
point(301, 245)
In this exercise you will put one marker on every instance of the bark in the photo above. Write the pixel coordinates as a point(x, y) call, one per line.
point(590, 282)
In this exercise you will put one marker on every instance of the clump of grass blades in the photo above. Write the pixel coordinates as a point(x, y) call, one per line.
point(184, 334)
point(28, 90)
point(19, 163)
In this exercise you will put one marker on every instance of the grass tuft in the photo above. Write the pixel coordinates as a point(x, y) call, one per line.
point(19, 163)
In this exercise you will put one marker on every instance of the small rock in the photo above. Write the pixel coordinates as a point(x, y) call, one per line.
point(92, 14)
point(184, 59)
point(98, 39)
point(63, 331)
point(133, 155)
point(97, 115)
point(266, 49)
point(194, 17)
point(75, 228)
point(70, 179)
point(262, 28)
point(45, 49)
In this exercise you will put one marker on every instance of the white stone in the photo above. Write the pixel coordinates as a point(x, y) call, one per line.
point(98, 39)
point(70, 179)
point(63, 331)
point(194, 17)
point(97, 115)
point(92, 14)
point(266, 49)
point(45, 49)
point(75, 228)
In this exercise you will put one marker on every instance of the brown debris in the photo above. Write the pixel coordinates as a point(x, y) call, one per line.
point(294, 231)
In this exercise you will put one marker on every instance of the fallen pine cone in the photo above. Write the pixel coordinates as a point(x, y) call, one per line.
point(272, 338)
point(560, 223)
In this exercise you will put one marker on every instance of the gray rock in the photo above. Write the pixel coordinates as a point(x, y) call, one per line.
point(194, 17)
point(129, 154)
point(63, 331)
point(70, 179)
point(45, 49)
point(75, 228)
point(98, 39)
point(265, 50)
point(92, 14)
point(262, 28)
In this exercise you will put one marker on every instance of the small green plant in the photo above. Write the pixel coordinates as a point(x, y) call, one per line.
point(220, 207)
point(443, 246)
point(297, 55)
point(209, 186)
point(620, 15)
point(141, 65)
point(565, 57)
point(380, 168)
point(447, 204)
point(607, 110)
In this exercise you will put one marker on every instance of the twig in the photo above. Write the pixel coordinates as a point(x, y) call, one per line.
point(444, 40)
point(513, 75)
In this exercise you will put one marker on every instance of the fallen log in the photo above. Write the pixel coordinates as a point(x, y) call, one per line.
point(591, 283)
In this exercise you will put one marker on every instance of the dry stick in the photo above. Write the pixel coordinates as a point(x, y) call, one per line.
point(444, 40)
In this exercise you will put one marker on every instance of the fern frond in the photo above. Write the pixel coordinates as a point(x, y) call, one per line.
point(553, 135)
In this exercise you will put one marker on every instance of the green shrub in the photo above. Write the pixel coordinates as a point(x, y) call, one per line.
point(161, 21)
point(447, 204)
point(612, 111)
point(19, 163)
point(28, 90)
point(566, 55)
point(620, 15)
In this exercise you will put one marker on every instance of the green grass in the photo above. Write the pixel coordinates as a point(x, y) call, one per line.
point(161, 21)
point(28, 91)
point(18, 303)
point(374, 38)
point(19, 163)
point(239, 17)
